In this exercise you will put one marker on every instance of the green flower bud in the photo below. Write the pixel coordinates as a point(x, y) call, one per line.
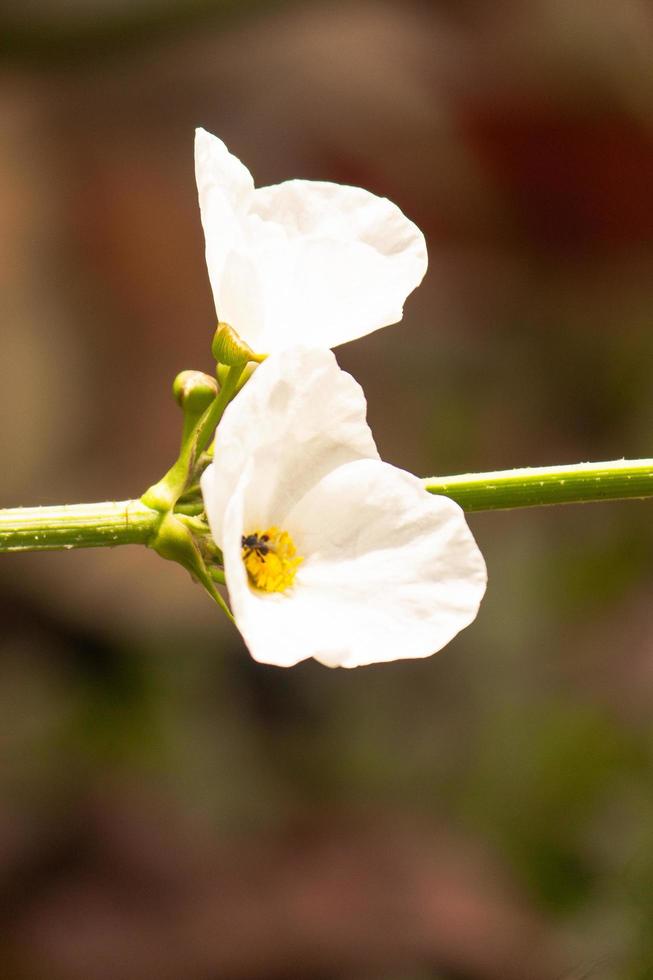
point(194, 391)
point(228, 348)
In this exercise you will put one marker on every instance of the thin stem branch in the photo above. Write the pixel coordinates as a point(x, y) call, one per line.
point(620, 479)
point(164, 495)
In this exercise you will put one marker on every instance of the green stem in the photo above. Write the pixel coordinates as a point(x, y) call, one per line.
point(77, 526)
point(164, 495)
point(215, 411)
point(132, 522)
point(621, 479)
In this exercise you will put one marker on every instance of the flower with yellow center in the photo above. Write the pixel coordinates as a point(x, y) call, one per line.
point(270, 558)
point(302, 262)
point(368, 566)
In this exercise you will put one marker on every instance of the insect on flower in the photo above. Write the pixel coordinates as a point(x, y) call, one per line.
point(255, 543)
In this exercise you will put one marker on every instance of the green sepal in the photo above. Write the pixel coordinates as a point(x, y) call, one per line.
point(175, 542)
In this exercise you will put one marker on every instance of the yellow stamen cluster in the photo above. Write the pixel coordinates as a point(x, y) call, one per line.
point(271, 559)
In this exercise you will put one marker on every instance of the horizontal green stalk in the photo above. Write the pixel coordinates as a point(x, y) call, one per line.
point(620, 479)
point(132, 522)
point(76, 526)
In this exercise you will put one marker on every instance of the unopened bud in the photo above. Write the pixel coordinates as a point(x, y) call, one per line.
point(228, 348)
point(194, 391)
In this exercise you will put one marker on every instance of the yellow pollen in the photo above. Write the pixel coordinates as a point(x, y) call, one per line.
point(271, 559)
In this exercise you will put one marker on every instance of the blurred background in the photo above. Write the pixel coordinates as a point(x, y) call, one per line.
point(168, 808)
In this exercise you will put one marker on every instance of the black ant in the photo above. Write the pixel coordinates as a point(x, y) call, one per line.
point(254, 543)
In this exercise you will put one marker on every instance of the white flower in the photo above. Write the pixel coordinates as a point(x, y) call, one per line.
point(303, 262)
point(329, 552)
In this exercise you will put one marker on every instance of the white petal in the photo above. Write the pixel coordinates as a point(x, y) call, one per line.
point(390, 571)
point(225, 188)
point(334, 262)
point(285, 650)
point(302, 262)
point(218, 169)
point(298, 417)
point(239, 298)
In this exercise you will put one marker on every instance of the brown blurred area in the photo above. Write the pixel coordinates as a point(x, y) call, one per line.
point(170, 809)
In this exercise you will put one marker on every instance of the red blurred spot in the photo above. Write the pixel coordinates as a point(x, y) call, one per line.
point(572, 180)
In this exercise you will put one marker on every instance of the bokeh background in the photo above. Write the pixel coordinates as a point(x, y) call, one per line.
point(168, 808)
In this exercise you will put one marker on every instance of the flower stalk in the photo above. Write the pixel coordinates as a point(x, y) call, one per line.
point(537, 486)
point(112, 523)
point(101, 525)
point(164, 495)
